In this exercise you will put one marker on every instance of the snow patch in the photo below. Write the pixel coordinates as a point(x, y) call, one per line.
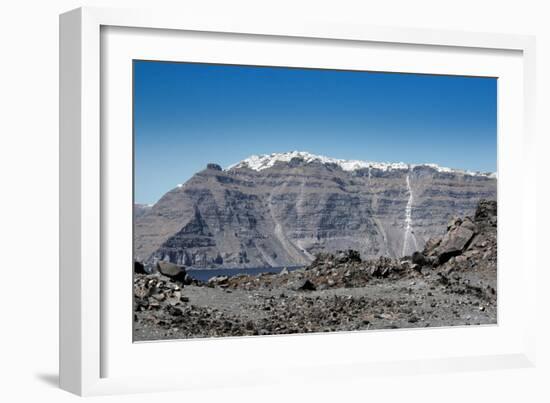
point(408, 221)
point(261, 162)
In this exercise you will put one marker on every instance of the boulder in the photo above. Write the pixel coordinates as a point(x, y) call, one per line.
point(283, 272)
point(348, 256)
point(304, 285)
point(188, 280)
point(423, 259)
point(171, 270)
point(454, 242)
point(139, 268)
point(419, 259)
point(218, 280)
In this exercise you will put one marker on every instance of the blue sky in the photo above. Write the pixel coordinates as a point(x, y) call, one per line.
point(186, 115)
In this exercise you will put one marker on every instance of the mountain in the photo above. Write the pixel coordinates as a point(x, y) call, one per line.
point(282, 209)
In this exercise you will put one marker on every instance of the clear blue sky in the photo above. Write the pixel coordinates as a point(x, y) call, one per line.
point(186, 115)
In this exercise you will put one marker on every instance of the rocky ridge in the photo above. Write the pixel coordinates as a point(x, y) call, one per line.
point(284, 209)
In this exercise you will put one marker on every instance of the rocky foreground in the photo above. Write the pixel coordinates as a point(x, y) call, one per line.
point(451, 282)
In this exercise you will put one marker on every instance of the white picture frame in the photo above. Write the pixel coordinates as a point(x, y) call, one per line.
point(95, 352)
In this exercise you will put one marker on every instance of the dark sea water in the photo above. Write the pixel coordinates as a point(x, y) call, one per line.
point(205, 274)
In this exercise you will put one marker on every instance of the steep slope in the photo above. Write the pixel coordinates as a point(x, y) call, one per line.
point(282, 209)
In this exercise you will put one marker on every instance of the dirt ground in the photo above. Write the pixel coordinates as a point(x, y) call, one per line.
point(427, 300)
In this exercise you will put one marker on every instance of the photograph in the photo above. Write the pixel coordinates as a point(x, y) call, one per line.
point(273, 200)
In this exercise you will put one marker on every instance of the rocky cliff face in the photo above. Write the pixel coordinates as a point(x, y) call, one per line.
point(283, 209)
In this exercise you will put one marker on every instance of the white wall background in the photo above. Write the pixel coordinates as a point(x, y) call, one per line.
point(29, 201)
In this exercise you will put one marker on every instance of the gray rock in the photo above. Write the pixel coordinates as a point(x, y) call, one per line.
point(304, 285)
point(347, 256)
point(454, 242)
point(218, 280)
point(171, 270)
point(413, 319)
point(188, 280)
point(139, 268)
point(419, 259)
point(172, 310)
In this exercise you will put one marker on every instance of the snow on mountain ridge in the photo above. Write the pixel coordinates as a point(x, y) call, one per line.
point(261, 162)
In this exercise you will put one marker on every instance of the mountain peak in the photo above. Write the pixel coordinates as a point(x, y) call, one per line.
point(265, 161)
